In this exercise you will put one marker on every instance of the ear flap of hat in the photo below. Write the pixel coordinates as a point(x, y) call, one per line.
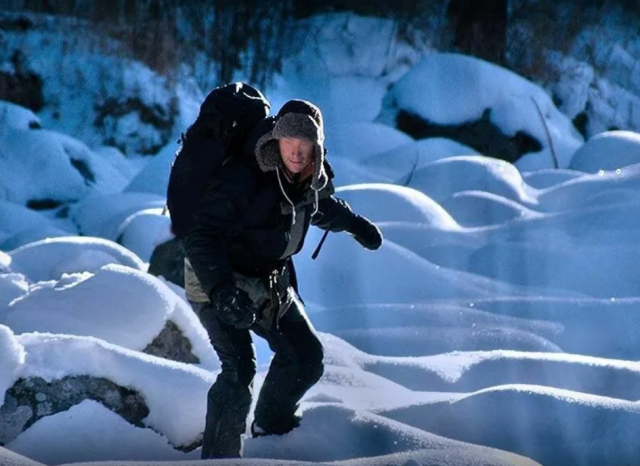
point(268, 153)
point(320, 178)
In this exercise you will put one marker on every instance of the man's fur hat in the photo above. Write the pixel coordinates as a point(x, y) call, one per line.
point(296, 119)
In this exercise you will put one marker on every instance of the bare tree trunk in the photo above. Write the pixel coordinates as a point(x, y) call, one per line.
point(480, 27)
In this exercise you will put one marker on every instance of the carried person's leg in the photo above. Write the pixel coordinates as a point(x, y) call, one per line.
point(229, 399)
point(296, 367)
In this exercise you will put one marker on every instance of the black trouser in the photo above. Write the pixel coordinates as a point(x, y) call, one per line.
point(296, 366)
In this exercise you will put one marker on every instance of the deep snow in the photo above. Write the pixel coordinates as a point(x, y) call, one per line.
point(501, 311)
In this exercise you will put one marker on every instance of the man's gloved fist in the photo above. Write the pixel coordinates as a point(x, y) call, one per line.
point(233, 306)
point(366, 233)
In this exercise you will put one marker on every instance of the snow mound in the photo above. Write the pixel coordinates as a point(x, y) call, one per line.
point(480, 208)
point(388, 202)
point(567, 425)
point(580, 318)
point(31, 235)
point(611, 150)
point(357, 141)
point(546, 178)
point(12, 286)
point(17, 219)
point(57, 168)
point(450, 89)
point(50, 259)
point(470, 371)
point(360, 390)
point(92, 89)
point(348, 172)
point(117, 304)
point(593, 270)
point(340, 426)
point(422, 341)
point(443, 178)
point(9, 458)
point(16, 117)
point(65, 437)
point(434, 315)
point(154, 177)
point(346, 274)
point(180, 421)
point(142, 231)
point(605, 188)
point(104, 215)
point(13, 356)
point(396, 165)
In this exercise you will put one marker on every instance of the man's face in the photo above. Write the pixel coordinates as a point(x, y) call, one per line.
point(296, 153)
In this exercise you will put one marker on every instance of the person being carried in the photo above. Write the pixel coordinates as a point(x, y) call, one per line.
point(239, 273)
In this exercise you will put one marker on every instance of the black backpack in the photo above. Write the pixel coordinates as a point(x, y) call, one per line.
point(227, 116)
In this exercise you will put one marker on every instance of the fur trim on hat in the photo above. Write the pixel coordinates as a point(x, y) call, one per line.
point(298, 125)
point(294, 125)
point(268, 153)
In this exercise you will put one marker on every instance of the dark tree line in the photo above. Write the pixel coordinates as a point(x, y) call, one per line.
point(248, 35)
point(253, 35)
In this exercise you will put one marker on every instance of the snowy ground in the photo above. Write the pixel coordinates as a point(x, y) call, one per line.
point(497, 325)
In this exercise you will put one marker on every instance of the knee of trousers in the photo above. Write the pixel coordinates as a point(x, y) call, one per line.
point(242, 371)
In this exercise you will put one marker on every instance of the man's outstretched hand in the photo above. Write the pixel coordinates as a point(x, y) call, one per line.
point(366, 233)
point(233, 306)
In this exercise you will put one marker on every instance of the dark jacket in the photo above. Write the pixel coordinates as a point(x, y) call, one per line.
point(246, 223)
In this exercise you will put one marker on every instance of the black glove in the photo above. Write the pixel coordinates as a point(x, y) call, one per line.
point(366, 233)
point(233, 306)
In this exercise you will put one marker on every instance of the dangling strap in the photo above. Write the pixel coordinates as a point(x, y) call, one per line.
point(317, 251)
point(293, 207)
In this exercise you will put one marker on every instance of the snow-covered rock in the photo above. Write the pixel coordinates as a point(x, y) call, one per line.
point(50, 259)
point(91, 89)
point(398, 165)
point(481, 105)
point(17, 219)
point(12, 357)
point(118, 304)
point(58, 372)
point(443, 178)
point(389, 202)
point(610, 150)
point(45, 169)
point(106, 215)
point(142, 231)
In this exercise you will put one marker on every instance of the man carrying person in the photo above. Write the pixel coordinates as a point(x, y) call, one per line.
point(239, 274)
